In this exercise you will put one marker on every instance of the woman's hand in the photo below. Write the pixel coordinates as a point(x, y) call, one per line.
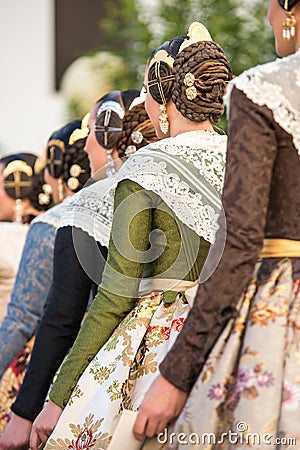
point(44, 424)
point(16, 434)
point(162, 404)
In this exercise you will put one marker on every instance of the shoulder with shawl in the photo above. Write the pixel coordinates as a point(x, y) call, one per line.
point(275, 85)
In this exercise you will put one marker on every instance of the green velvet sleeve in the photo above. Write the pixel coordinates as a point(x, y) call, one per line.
point(122, 273)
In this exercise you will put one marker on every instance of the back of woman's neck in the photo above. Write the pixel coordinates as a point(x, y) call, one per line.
point(179, 128)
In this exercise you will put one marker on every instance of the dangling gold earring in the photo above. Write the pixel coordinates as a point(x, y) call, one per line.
point(163, 119)
point(19, 210)
point(288, 27)
point(110, 165)
point(60, 190)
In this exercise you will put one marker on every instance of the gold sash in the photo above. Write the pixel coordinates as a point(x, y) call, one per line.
point(280, 248)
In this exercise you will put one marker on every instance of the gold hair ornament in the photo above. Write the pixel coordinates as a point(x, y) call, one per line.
point(163, 117)
point(80, 133)
point(39, 165)
point(51, 161)
point(288, 27)
point(45, 196)
point(162, 55)
point(73, 182)
point(15, 168)
point(58, 143)
point(197, 32)
point(190, 91)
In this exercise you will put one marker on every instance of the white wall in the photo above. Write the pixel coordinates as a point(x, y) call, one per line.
point(30, 108)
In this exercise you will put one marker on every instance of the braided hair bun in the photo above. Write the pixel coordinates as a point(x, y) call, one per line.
point(109, 116)
point(201, 72)
point(193, 71)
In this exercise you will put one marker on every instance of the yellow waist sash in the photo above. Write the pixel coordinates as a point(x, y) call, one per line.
point(280, 248)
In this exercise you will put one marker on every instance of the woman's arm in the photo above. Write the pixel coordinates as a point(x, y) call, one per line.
point(66, 304)
point(252, 150)
point(132, 214)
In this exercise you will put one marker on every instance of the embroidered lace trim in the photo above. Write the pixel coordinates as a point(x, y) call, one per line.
point(187, 172)
point(277, 86)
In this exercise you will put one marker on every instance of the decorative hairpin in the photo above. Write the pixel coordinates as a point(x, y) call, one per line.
point(80, 133)
point(162, 55)
point(45, 196)
point(136, 137)
point(111, 105)
point(189, 80)
point(73, 182)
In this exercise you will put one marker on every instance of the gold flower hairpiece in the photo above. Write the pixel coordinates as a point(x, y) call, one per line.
point(190, 91)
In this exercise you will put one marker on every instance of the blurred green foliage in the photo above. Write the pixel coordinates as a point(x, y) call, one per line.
point(136, 27)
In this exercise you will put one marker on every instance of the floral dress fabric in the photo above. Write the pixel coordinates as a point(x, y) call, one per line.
point(11, 381)
point(125, 363)
point(248, 392)
point(120, 374)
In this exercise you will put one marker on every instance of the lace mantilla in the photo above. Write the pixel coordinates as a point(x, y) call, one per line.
point(187, 172)
point(53, 215)
point(91, 210)
point(277, 86)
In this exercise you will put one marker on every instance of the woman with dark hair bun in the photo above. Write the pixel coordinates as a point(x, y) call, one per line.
point(239, 348)
point(22, 197)
point(34, 275)
point(166, 204)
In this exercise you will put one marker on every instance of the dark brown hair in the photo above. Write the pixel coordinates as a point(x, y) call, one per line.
point(31, 185)
point(210, 69)
point(136, 119)
point(75, 155)
point(109, 124)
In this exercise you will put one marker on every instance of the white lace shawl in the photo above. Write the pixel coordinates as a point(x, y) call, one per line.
point(186, 171)
point(277, 86)
point(53, 215)
point(91, 210)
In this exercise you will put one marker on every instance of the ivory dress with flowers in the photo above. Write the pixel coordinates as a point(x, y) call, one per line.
point(165, 216)
point(239, 349)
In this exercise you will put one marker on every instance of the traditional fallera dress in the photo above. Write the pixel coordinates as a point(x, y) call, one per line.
point(79, 256)
point(239, 350)
point(166, 206)
point(12, 239)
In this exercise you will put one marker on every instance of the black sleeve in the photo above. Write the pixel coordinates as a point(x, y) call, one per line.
point(78, 265)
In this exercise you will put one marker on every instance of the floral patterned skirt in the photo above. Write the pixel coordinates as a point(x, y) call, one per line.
point(120, 374)
point(11, 382)
point(248, 393)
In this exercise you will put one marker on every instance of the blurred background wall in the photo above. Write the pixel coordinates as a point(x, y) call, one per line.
point(29, 104)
